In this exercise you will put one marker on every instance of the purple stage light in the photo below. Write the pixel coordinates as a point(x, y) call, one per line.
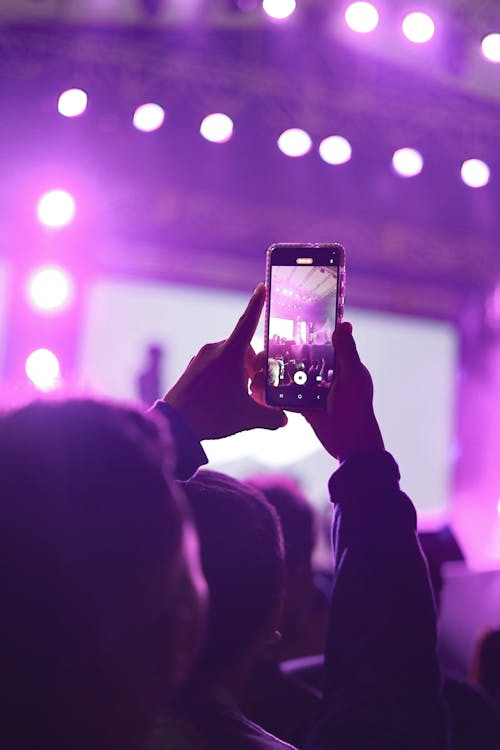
point(407, 162)
point(335, 150)
point(294, 142)
point(72, 103)
point(217, 128)
point(56, 208)
point(49, 289)
point(475, 173)
point(43, 369)
point(491, 47)
point(418, 27)
point(362, 17)
point(149, 117)
point(279, 9)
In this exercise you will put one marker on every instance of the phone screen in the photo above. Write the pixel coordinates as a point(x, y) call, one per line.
point(302, 314)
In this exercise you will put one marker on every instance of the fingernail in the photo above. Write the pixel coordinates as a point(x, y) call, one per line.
point(258, 287)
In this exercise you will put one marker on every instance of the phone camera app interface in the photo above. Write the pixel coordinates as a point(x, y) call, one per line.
point(301, 323)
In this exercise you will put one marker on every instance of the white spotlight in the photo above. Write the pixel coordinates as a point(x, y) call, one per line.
point(56, 208)
point(43, 369)
point(475, 173)
point(407, 162)
point(49, 289)
point(217, 128)
point(72, 103)
point(335, 150)
point(294, 142)
point(149, 117)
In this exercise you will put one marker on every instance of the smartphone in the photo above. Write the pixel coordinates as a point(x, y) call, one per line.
point(305, 301)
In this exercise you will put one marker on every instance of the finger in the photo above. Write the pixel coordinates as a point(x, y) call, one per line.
point(265, 417)
point(250, 367)
point(246, 326)
point(345, 348)
point(260, 361)
point(257, 388)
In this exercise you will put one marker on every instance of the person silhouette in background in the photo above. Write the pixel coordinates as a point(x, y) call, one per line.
point(149, 381)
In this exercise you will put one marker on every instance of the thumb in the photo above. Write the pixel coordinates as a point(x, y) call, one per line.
point(265, 417)
point(345, 348)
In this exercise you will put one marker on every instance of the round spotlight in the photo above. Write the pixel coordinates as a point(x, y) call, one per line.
point(335, 150)
point(491, 47)
point(72, 103)
point(418, 27)
point(56, 208)
point(149, 117)
point(43, 369)
point(362, 17)
point(294, 142)
point(217, 128)
point(407, 162)
point(49, 289)
point(279, 9)
point(475, 173)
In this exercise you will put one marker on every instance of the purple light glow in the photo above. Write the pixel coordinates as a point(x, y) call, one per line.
point(362, 17)
point(294, 142)
point(279, 9)
point(149, 117)
point(335, 150)
point(475, 173)
point(43, 369)
point(56, 208)
point(49, 289)
point(407, 162)
point(491, 47)
point(72, 103)
point(418, 27)
point(217, 128)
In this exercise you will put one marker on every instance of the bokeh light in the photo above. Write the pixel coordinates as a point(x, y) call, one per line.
point(49, 288)
point(72, 103)
point(418, 27)
point(475, 173)
point(362, 17)
point(217, 127)
point(335, 150)
point(56, 208)
point(279, 9)
point(149, 117)
point(294, 142)
point(407, 162)
point(43, 369)
point(491, 47)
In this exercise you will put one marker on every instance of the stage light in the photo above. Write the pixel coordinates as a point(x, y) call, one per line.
point(475, 173)
point(294, 142)
point(362, 17)
point(491, 47)
point(149, 117)
point(418, 27)
point(43, 369)
point(49, 289)
point(407, 162)
point(217, 128)
point(72, 103)
point(56, 208)
point(279, 9)
point(335, 150)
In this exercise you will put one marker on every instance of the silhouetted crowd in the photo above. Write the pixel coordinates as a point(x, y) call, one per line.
point(151, 605)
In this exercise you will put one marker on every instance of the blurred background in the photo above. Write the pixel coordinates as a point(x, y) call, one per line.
point(151, 150)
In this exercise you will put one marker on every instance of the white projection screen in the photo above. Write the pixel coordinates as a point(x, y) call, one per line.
point(413, 362)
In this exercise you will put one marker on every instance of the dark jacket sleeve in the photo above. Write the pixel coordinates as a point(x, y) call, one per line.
point(190, 454)
point(382, 681)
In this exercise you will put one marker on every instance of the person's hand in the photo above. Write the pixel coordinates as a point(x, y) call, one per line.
point(348, 426)
point(212, 393)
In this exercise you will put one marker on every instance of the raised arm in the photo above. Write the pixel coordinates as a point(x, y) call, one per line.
point(382, 686)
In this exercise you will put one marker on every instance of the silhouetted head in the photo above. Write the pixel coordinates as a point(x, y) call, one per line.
point(101, 593)
point(297, 520)
point(242, 557)
point(486, 667)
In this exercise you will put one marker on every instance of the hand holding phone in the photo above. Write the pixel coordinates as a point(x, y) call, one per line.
point(305, 302)
point(212, 393)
